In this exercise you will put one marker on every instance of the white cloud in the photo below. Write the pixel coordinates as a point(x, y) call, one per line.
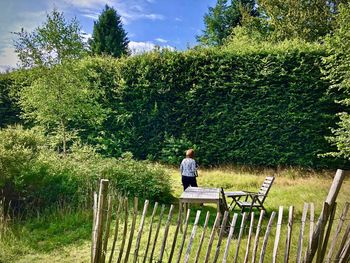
point(8, 59)
point(178, 19)
point(140, 47)
point(161, 40)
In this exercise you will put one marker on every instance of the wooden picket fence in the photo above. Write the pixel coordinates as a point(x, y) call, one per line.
point(216, 244)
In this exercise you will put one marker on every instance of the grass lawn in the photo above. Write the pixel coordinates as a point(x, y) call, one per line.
point(66, 238)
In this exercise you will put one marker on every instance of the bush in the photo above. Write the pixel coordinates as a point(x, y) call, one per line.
point(34, 177)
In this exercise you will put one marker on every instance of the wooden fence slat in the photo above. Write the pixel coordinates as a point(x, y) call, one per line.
point(100, 219)
point(202, 237)
point(166, 231)
point(139, 234)
point(108, 226)
point(328, 232)
point(116, 229)
point(289, 234)
point(266, 237)
point(212, 235)
point(345, 255)
point(342, 243)
point(332, 196)
point(132, 230)
point(249, 237)
point(157, 233)
point(256, 240)
point(125, 229)
point(337, 231)
point(93, 236)
point(183, 236)
point(278, 234)
point(193, 233)
point(240, 236)
point(229, 238)
point(301, 234)
point(312, 221)
point(178, 223)
point(221, 234)
point(150, 231)
point(324, 216)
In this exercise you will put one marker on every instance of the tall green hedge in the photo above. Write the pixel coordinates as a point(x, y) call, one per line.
point(265, 106)
point(256, 108)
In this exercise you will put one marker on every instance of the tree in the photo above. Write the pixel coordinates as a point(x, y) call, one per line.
point(108, 35)
point(61, 97)
point(221, 19)
point(52, 43)
point(307, 20)
point(337, 71)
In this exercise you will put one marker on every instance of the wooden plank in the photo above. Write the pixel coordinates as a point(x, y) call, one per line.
point(345, 255)
point(328, 232)
point(93, 236)
point(266, 237)
point(139, 234)
point(289, 234)
point(178, 223)
point(337, 232)
point(312, 221)
point(116, 229)
point(221, 234)
point(183, 236)
point(132, 230)
point(256, 240)
point(108, 226)
point(324, 216)
point(246, 256)
point(193, 233)
point(150, 231)
point(229, 238)
point(100, 219)
point(202, 237)
point(166, 231)
point(342, 243)
point(157, 233)
point(301, 235)
point(331, 198)
point(125, 230)
point(244, 217)
point(212, 235)
point(278, 234)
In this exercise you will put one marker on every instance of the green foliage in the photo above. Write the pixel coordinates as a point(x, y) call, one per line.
point(141, 179)
point(337, 72)
point(34, 177)
point(291, 19)
point(52, 43)
point(266, 105)
point(108, 35)
point(222, 18)
point(174, 149)
point(60, 98)
point(9, 110)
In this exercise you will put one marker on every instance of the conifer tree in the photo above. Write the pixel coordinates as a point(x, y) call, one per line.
point(108, 35)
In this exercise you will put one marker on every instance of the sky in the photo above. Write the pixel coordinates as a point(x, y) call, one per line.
point(166, 23)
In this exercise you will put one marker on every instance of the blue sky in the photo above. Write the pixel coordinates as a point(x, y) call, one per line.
point(171, 23)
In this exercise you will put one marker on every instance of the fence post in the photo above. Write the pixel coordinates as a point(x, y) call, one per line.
point(332, 196)
point(202, 237)
point(289, 234)
point(193, 233)
point(98, 229)
point(266, 237)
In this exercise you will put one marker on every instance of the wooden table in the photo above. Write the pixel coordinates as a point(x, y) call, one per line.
point(199, 195)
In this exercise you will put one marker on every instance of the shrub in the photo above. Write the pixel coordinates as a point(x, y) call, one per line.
point(34, 177)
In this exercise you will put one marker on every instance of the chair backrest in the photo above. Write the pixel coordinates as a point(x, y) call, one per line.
point(265, 187)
